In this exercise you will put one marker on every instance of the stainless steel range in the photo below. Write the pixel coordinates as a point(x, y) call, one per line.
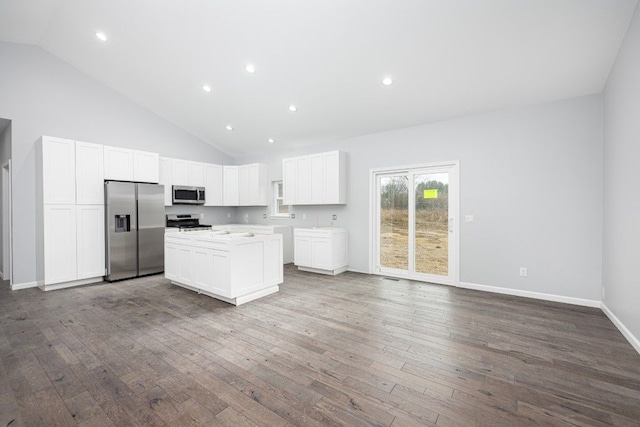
point(186, 222)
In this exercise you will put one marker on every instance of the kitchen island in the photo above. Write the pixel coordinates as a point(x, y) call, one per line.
point(232, 267)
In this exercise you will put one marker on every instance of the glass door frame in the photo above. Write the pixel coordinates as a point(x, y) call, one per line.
point(452, 167)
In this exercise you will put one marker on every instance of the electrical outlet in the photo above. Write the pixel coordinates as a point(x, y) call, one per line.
point(228, 214)
point(264, 216)
point(523, 272)
point(335, 217)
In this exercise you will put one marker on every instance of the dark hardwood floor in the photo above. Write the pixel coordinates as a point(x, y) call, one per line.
point(351, 350)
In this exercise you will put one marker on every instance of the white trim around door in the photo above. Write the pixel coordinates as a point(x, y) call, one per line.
point(412, 172)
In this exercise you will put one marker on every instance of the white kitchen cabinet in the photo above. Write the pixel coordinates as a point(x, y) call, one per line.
point(321, 250)
point(56, 170)
point(165, 179)
point(316, 179)
point(73, 244)
point(179, 172)
point(246, 185)
point(90, 241)
point(60, 261)
point(146, 166)
point(213, 189)
point(171, 261)
point(230, 186)
point(118, 163)
point(218, 264)
point(302, 181)
point(89, 173)
point(196, 174)
point(257, 186)
point(289, 181)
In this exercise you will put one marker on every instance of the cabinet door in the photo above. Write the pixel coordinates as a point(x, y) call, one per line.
point(185, 266)
point(90, 241)
point(118, 163)
point(171, 256)
point(321, 255)
point(165, 179)
point(332, 178)
point(302, 251)
point(146, 166)
point(213, 185)
point(202, 268)
point(60, 261)
point(89, 173)
point(243, 185)
point(179, 172)
point(230, 185)
point(289, 181)
point(303, 189)
point(196, 174)
point(317, 179)
point(58, 170)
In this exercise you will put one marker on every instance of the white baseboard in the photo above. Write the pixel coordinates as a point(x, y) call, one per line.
point(531, 294)
point(26, 285)
point(71, 284)
point(621, 327)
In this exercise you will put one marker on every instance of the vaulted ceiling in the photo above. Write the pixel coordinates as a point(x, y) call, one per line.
point(447, 58)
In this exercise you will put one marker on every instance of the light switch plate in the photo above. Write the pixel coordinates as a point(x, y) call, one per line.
point(293, 216)
point(468, 218)
point(335, 217)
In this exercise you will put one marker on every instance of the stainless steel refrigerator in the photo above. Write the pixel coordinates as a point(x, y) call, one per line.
point(135, 229)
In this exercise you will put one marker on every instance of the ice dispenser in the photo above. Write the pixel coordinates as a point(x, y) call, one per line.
point(123, 223)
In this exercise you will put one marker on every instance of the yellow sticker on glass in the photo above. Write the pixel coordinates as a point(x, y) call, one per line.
point(431, 194)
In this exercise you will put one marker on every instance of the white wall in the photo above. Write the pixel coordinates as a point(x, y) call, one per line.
point(622, 185)
point(532, 178)
point(43, 95)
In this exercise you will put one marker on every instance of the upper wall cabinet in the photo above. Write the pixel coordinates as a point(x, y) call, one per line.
point(89, 173)
point(230, 186)
point(245, 185)
point(196, 174)
point(316, 179)
point(123, 164)
point(146, 166)
point(118, 163)
point(165, 179)
point(57, 170)
point(213, 185)
point(253, 186)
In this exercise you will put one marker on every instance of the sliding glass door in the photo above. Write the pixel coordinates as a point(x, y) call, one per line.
point(415, 234)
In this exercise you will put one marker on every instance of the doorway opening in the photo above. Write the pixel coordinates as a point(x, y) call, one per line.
point(5, 210)
point(414, 222)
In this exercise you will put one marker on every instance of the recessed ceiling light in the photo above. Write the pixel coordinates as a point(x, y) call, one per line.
point(250, 68)
point(206, 88)
point(293, 108)
point(229, 127)
point(271, 140)
point(101, 36)
point(387, 81)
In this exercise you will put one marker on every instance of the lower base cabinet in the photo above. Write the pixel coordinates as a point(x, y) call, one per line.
point(234, 270)
point(73, 245)
point(321, 250)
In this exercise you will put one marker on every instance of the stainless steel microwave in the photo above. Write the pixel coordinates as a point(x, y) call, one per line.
point(183, 195)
